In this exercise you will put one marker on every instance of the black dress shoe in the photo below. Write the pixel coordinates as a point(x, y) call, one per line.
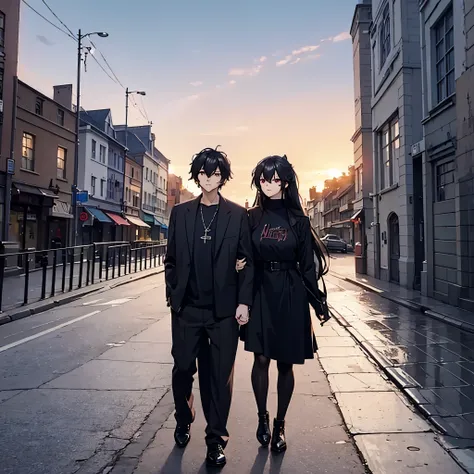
point(215, 455)
point(278, 437)
point(182, 435)
point(263, 430)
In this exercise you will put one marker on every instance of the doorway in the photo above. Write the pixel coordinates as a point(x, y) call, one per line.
point(394, 247)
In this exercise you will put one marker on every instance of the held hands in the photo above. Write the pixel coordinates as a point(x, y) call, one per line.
point(242, 314)
point(240, 265)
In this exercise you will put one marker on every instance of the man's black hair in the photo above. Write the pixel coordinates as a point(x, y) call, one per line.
point(209, 160)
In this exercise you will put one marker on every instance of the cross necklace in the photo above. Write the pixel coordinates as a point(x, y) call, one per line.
point(207, 229)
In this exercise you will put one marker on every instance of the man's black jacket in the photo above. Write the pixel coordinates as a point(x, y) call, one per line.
point(233, 241)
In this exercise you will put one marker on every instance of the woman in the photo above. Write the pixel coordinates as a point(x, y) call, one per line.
point(285, 281)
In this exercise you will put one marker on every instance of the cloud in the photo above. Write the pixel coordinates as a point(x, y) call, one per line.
point(345, 35)
point(251, 71)
point(44, 40)
point(261, 59)
point(282, 62)
point(196, 83)
point(304, 49)
point(193, 97)
point(232, 82)
point(296, 61)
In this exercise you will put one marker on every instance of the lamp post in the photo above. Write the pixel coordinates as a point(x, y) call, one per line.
point(127, 93)
point(80, 37)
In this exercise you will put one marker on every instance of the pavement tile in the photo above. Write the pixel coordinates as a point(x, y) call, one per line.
point(430, 375)
point(339, 365)
point(363, 382)
point(465, 457)
point(141, 352)
point(454, 426)
point(6, 395)
point(317, 442)
point(114, 375)
point(399, 355)
point(403, 453)
point(378, 412)
point(351, 351)
point(335, 341)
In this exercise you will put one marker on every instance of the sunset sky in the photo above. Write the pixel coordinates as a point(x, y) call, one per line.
point(257, 77)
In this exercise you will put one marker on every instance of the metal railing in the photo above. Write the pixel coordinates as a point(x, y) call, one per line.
point(42, 274)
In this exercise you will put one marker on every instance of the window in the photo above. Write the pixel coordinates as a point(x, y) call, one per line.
point(133, 172)
point(94, 149)
point(61, 163)
point(358, 180)
point(102, 187)
point(115, 160)
point(1, 81)
point(102, 151)
point(444, 50)
point(60, 117)
point(385, 35)
point(390, 144)
point(445, 181)
point(39, 106)
point(28, 152)
point(93, 181)
point(146, 175)
point(2, 30)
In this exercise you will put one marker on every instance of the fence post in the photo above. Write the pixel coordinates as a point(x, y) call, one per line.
point(93, 264)
point(27, 280)
point(64, 259)
point(120, 262)
point(101, 251)
point(107, 264)
point(136, 260)
point(88, 267)
point(2, 276)
point(71, 270)
point(44, 266)
point(114, 258)
point(53, 278)
point(81, 265)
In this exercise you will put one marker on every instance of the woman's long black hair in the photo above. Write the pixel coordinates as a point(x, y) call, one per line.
point(291, 198)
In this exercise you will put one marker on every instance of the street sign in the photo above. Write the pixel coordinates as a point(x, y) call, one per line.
point(82, 196)
point(10, 166)
point(83, 216)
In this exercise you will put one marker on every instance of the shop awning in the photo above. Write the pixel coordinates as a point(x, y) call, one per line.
point(119, 220)
point(98, 214)
point(151, 219)
point(137, 221)
point(61, 209)
point(27, 189)
point(164, 226)
point(357, 215)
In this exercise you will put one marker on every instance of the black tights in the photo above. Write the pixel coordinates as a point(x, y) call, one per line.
point(285, 385)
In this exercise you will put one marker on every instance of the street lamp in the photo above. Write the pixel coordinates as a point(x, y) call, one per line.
point(127, 93)
point(80, 37)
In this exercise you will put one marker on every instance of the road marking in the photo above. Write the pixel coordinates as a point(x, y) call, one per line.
point(47, 331)
point(115, 302)
point(92, 302)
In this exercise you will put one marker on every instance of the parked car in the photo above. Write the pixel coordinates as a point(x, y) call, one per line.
point(334, 243)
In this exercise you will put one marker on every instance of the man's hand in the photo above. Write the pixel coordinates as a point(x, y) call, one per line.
point(242, 314)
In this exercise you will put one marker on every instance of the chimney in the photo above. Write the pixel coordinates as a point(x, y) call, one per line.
point(63, 95)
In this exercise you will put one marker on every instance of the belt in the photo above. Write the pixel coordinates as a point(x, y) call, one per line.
point(278, 266)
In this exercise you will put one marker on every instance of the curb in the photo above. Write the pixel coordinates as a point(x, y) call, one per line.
point(410, 304)
point(48, 304)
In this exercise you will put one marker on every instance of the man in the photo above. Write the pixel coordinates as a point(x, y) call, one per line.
point(208, 299)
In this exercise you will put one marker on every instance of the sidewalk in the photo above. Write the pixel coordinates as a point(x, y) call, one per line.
point(431, 361)
point(389, 435)
point(408, 298)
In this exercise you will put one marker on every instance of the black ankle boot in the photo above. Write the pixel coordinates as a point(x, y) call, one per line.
point(263, 430)
point(278, 437)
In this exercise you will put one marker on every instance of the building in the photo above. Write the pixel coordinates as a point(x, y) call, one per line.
point(132, 201)
point(344, 226)
point(314, 210)
point(175, 183)
point(40, 215)
point(186, 195)
point(162, 194)
point(9, 32)
point(140, 142)
point(362, 138)
point(464, 177)
point(396, 126)
point(101, 173)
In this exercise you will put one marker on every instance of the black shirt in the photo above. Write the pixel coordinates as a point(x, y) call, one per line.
point(200, 292)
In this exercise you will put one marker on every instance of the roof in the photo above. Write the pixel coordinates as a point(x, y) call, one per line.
point(344, 190)
point(95, 117)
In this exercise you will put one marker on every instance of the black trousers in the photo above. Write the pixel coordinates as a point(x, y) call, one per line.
point(197, 334)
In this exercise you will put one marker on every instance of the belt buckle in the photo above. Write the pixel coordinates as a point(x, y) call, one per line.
point(273, 266)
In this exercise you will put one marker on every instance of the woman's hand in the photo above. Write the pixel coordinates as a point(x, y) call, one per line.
point(240, 264)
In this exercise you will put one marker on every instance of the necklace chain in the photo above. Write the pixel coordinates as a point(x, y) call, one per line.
point(208, 228)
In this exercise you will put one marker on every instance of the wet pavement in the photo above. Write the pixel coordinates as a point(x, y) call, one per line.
point(430, 360)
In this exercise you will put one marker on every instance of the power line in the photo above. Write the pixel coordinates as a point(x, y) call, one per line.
point(59, 19)
point(50, 22)
point(107, 63)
